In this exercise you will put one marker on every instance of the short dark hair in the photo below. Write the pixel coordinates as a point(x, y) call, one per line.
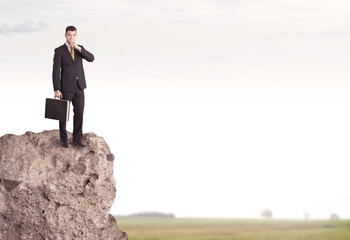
point(70, 28)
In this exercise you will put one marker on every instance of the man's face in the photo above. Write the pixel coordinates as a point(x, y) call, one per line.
point(70, 36)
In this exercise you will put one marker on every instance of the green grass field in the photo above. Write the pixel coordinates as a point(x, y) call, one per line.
point(233, 229)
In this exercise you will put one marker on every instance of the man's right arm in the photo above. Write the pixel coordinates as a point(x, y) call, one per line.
point(56, 73)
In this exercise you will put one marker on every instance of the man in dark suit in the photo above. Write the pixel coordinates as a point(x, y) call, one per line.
point(69, 82)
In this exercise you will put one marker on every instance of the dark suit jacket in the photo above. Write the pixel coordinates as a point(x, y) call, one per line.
point(66, 72)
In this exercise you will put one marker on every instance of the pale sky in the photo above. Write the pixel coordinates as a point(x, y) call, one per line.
point(212, 108)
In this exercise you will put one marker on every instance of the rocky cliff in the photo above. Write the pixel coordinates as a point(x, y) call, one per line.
point(48, 192)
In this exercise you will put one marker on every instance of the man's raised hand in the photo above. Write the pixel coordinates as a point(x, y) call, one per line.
point(76, 46)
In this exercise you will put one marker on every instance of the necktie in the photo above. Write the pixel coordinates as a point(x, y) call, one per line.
point(72, 52)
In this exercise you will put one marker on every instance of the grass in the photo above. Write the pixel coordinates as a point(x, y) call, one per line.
point(233, 229)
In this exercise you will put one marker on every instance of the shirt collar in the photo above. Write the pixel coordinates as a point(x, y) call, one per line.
point(68, 46)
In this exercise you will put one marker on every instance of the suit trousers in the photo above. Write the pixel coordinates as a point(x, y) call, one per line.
point(77, 98)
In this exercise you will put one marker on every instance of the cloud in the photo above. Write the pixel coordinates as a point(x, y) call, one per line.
point(23, 28)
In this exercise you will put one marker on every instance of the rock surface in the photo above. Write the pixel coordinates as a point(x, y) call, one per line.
point(49, 192)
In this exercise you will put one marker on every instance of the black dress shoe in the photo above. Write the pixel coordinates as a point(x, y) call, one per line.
point(79, 144)
point(64, 145)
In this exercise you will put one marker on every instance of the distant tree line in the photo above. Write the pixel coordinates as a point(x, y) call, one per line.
point(267, 214)
point(151, 215)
